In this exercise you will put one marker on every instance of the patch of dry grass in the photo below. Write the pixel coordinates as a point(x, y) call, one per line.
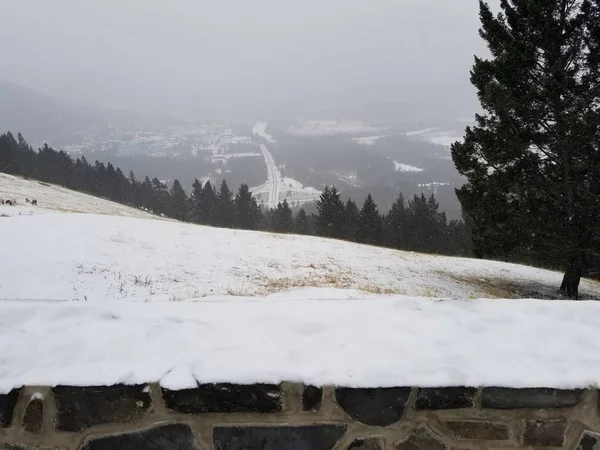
point(380, 290)
point(502, 287)
point(430, 292)
point(238, 292)
point(273, 285)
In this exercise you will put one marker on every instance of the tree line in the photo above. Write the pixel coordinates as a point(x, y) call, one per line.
point(414, 225)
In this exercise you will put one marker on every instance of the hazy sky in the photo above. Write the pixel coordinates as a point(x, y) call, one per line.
point(180, 56)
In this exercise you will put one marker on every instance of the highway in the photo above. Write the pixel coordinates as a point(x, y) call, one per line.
point(273, 178)
point(274, 188)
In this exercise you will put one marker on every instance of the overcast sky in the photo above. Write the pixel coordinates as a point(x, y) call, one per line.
point(179, 56)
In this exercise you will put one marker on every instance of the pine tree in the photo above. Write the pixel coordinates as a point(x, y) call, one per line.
point(147, 194)
point(266, 219)
point(134, 189)
point(425, 225)
point(160, 194)
point(196, 206)
point(282, 220)
point(458, 239)
point(301, 225)
point(179, 202)
point(286, 221)
point(25, 157)
point(208, 204)
point(8, 154)
point(330, 219)
point(247, 213)
point(225, 212)
point(351, 220)
point(369, 229)
point(396, 222)
point(532, 161)
point(111, 184)
point(122, 189)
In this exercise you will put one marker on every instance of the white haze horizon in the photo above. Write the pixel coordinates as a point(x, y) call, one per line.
point(189, 58)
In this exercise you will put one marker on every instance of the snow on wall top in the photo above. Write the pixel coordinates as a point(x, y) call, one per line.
point(396, 341)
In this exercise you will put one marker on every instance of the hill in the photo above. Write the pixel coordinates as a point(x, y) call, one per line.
point(47, 119)
point(55, 198)
point(126, 254)
point(120, 297)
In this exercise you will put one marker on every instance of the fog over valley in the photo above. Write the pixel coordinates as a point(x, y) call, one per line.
point(363, 95)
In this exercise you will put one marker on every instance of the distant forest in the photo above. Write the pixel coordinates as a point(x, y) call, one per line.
point(415, 224)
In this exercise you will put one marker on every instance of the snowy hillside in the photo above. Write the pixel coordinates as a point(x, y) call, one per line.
point(60, 256)
point(91, 299)
point(56, 198)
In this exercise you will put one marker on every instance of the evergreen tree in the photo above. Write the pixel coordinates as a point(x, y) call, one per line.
point(532, 160)
point(179, 202)
point(396, 221)
point(225, 211)
point(196, 206)
point(122, 186)
point(25, 157)
point(147, 194)
point(369, 229)
point(458, 239)
point(247, 213)
point(266, 219)
point(8, 154)
point(208, 204)
point(99, 185)
point(160, 193)
point(134, 188)
point(282, 220)
point(351, 220)
point(301, 225)
point(330, 219)
point(286, 221)
point(425, 225)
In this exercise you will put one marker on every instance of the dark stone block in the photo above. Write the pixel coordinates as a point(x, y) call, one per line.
point(168, 437)
point(27, 447)
point(422, 439)
point(445, 398)
point(7, 407)
point(225, 398)
point(589, 441)
point(549, 433)
point(485, 431)
point(34, 416)
point(78, 408)
point(507, 398)
point(373, 443)
point(318, 437)
point(312, 397)
point(379, 407)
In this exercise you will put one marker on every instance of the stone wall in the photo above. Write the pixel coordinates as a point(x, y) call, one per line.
point(295, 417)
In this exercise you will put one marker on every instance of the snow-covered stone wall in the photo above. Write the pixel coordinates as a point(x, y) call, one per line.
point(292, 416)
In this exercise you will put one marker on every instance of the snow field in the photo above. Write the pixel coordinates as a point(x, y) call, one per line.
point(61, 256)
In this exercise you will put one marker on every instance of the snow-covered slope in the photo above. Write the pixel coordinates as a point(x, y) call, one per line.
point(90, 299)
point(61, 256)
point(56, 198)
